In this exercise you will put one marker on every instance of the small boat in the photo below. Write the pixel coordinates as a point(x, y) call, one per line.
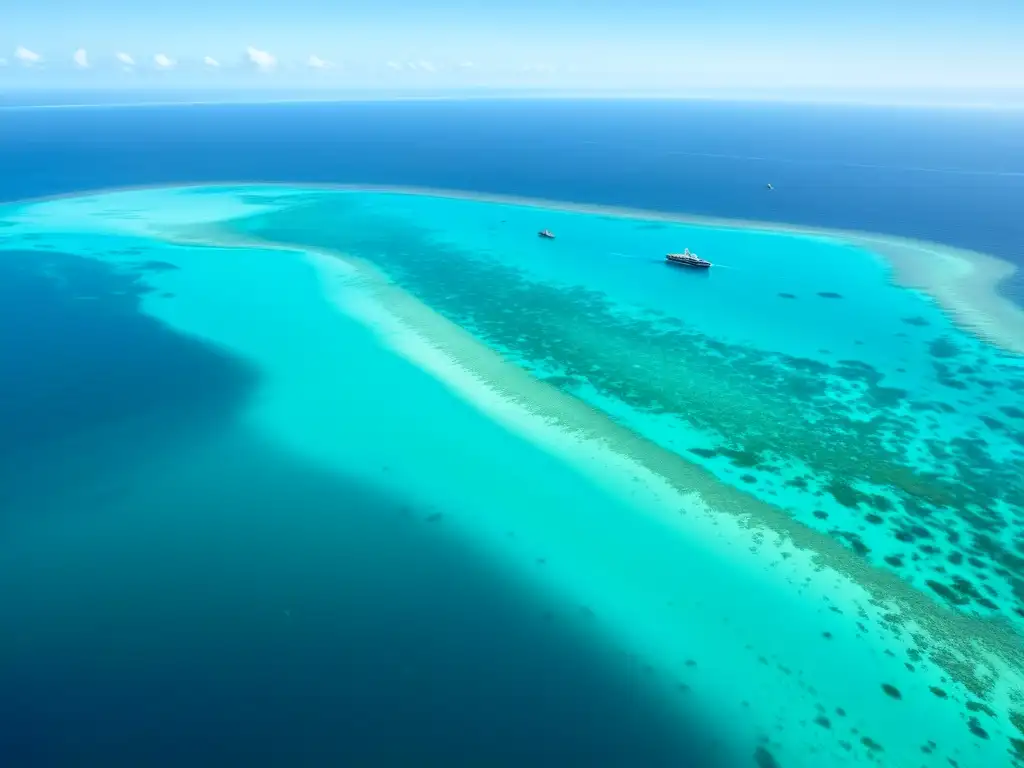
point(687, 259)
point(769, 187)
point(547, 234)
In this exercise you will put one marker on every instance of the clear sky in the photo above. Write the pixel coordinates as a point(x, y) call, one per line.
point(568, 44)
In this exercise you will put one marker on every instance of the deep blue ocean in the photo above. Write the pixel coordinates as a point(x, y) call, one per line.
point(954, 176)
point(453, 667)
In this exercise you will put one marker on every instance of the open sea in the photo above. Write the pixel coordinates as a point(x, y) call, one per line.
point(313, 453)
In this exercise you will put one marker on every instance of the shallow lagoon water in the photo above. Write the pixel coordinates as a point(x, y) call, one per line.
point(799, 371)
point(371, 332)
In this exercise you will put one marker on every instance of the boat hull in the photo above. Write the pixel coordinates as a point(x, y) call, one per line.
point(689, 264)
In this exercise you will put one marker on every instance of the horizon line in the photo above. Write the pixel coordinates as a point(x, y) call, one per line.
point(851, 97)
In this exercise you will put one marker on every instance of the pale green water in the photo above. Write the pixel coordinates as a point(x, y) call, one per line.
point(775, 646)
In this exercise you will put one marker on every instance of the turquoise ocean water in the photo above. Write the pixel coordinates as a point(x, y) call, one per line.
point(780, 501)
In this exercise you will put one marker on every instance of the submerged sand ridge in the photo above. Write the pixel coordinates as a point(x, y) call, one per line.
point(842, 630)
point(964, 283)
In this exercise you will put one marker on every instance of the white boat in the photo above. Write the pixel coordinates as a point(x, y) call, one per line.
point(687, 259)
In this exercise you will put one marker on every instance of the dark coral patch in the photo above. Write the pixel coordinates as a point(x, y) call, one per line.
point(942, 347)
point(977, 706)
point(975, 727)
point(891, 691)
point(871, 744)
point(918, 321)
point(765, 759)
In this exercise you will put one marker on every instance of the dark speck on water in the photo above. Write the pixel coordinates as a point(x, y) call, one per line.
point(830, 295)
point(435, 518)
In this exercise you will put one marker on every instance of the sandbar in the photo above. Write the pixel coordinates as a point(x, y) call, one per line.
point(965, 284)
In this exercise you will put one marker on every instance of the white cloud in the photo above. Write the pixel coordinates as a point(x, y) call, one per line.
point(163, 61)
point(422, 66)
point(210, 61)
point(81, 58)
point(3, 61)
point(467, 65)
point(262, 60)
point(395, 65)
point(315, 62)
point(125, 59)
point(27, 57)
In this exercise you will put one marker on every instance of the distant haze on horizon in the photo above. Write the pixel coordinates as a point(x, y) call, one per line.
point(570, 45)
